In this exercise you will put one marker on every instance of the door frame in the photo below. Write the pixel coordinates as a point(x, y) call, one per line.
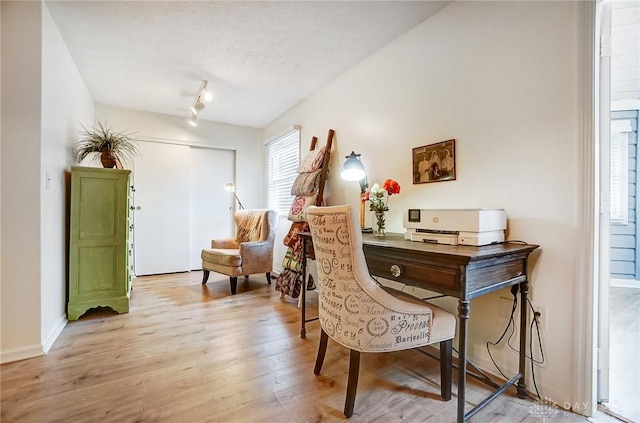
point(594, 251)
point(603, 64)
point(586, 285)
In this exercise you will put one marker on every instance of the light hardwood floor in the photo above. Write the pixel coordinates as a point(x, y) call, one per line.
point(624, 359)
point(192, 353)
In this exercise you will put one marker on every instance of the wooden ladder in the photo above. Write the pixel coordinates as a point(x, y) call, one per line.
point(325, 163)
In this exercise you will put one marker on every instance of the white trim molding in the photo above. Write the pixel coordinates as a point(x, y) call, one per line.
point(282, 133)
point(21, 353)
point(585, 311)
point(53, 335)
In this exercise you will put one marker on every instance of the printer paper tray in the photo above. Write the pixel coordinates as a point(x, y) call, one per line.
point(463, 238)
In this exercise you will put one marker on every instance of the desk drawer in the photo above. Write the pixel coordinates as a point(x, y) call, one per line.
point(434, 278)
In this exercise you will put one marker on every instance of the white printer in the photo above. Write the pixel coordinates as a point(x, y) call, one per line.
point(455, 226)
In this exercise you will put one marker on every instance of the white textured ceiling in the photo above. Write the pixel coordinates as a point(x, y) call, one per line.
point(261, 58)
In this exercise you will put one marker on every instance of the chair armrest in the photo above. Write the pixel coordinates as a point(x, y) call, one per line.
point(257, 256)
point(227, 243)
point(256, 247)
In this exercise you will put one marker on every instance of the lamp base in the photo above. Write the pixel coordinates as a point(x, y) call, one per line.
point(366, 230)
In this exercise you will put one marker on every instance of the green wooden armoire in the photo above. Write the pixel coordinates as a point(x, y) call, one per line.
point(100, 242)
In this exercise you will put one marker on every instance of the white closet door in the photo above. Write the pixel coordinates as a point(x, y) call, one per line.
point(211, 206)
point(161, 215)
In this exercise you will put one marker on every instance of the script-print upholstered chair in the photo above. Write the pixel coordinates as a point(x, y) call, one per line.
point(251, 251)
point(359, 314)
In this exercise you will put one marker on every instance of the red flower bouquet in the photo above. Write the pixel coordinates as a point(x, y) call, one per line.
point(379, 199)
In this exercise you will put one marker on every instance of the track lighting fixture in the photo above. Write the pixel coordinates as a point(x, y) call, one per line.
point(193, 120)
point(198, 104)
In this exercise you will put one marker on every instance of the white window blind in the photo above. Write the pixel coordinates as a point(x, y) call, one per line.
point(619, 171)
point(282, 156)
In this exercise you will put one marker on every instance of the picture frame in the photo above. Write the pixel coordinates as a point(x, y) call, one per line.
point(434, 162)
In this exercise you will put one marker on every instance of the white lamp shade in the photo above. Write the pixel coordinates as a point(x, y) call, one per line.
point(352, 169)
point(352, 174)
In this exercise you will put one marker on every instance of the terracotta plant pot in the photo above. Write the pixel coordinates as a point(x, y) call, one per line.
point(107, 159)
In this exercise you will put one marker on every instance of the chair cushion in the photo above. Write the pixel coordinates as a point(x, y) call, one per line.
point(221, 256)
point(444, 323)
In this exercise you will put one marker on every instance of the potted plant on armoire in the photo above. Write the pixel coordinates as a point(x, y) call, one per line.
point(112, 147)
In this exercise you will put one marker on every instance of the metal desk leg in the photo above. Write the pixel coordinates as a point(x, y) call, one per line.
point(463, 317)
point(303, 330)
point(522, 384)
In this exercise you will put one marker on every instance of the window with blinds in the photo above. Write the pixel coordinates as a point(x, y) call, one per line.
point(619, 171)
point(282, 156)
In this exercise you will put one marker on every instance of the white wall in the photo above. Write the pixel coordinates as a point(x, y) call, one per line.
point(65, 103)
point(244, 140)
point(502, 79)
point(43, 99)
point(21, 149)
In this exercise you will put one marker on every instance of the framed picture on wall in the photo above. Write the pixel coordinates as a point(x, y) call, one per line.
point(434, 162)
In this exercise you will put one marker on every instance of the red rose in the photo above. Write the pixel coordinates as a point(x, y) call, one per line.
point(391, 186)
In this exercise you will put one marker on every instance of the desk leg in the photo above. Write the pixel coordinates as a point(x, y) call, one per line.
point(463, 317)
point(303, 329)
point(522, 384)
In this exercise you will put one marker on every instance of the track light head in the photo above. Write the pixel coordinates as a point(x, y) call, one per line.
point(193, 121)
point(197, 106)
point(204, 91)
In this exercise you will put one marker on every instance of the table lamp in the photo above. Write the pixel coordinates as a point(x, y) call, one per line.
point(232, 188)
point(353, 170)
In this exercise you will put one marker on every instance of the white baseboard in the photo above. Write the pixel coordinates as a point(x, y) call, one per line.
point(21, 353)
point(48, 343)
point(31, 351)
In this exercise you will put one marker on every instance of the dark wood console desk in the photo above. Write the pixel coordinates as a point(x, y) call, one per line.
point(463, 272)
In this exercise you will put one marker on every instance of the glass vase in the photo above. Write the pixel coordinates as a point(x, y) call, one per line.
point(378, 229)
